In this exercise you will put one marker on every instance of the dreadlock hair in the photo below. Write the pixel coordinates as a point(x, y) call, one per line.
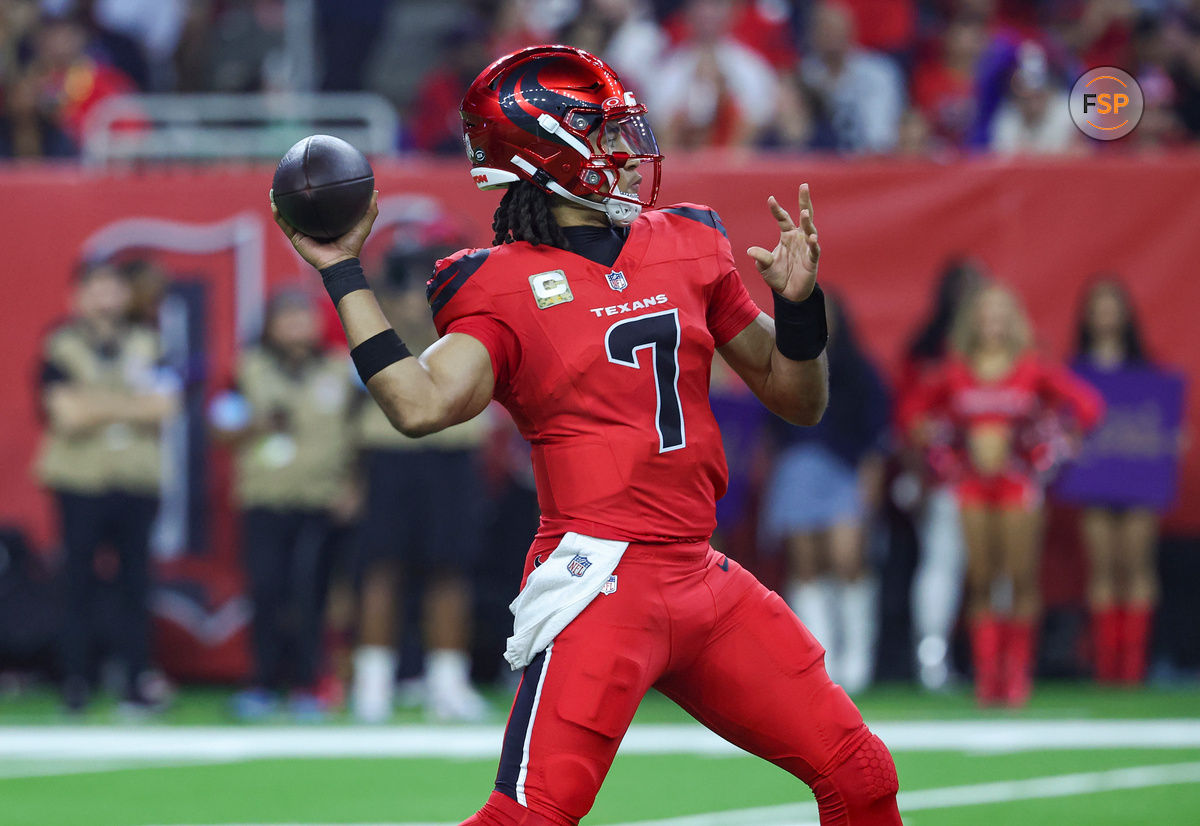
point(524, 215)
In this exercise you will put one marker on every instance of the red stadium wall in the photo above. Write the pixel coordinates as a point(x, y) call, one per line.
point(886, 229)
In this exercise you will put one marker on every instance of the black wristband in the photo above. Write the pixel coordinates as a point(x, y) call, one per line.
point(377, 352)
point(344, 277)
point(801, 330)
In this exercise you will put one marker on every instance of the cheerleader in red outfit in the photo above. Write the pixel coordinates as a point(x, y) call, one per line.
point(999, 405)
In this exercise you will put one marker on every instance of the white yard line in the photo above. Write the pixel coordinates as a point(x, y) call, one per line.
point(231, 743)
point(976, 794)
point(49, 768)
point(1036, 788)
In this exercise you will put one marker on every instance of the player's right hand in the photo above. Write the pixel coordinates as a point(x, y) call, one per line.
point(322, 254)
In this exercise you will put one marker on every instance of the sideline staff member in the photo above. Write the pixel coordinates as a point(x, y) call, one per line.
point(290, 420)
point(105, 397)
point(422, 518)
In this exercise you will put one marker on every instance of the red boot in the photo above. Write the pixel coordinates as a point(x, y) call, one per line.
point(1106, 639)
point(1135, 640)
point(986, 637)
point(1018, 662)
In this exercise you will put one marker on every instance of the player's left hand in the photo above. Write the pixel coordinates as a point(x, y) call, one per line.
point(791, 268)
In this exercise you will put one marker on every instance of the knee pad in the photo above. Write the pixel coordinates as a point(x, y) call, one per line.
point(861, 791)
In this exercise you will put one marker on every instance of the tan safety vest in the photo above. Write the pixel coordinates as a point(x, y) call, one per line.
point(112, 457)
point(305, 462)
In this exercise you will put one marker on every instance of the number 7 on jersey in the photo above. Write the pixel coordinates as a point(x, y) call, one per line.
point(658, 332)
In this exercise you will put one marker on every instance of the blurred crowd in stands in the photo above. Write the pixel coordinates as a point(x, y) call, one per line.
point(926, 78)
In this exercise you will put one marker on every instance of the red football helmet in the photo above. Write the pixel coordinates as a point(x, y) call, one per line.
point(560, 118)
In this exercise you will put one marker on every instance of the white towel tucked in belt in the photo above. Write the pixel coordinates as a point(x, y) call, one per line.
point(557, 592)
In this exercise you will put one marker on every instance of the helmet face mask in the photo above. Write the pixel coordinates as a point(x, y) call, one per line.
point(560, 118)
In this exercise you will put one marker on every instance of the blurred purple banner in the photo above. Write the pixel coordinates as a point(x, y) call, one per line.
point(1132, 457)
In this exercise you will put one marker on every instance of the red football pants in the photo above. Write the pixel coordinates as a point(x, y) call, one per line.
point(702, 630)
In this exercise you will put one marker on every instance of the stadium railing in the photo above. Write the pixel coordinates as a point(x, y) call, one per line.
point(199, 127)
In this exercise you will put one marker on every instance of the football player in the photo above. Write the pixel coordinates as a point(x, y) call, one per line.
point(594, 321)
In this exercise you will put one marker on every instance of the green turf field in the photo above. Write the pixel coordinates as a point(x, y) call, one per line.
point(1076, 755)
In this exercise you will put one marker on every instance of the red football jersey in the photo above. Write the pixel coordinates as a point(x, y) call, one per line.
point(606, 369)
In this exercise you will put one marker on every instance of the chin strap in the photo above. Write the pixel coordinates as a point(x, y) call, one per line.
point(620, 213)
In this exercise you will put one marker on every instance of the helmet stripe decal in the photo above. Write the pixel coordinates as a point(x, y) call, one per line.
point(510, 98)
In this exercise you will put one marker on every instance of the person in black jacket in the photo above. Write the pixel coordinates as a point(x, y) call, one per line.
point(823, 492)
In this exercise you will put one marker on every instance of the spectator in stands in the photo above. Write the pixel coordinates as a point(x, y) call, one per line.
point(1183, 62)
point(625, 34)
point(860, 93)
point(105, 397)
point(518, 23)
point(937, 581)
point(1035, 118)
point(435, 125)
point(289, 421)
point(1101, 32)
point(996, 396)
point(191, 57)
point(712, 91)
point(347, 31)
point(108, 39)
point(1120, 537)
point(70, 80)
point(27, 128)
point(943, 85)
point(822, 499)
point(245, 47)
point(18, 18)
point(1161, 126)
point(796, 125)
point(766, 26)
point(423, 519)
point(888, 26)
point(916, 139)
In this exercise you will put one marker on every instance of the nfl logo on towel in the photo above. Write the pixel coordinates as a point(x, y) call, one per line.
point(616, 280)
point(610, 586)
point(579, 565)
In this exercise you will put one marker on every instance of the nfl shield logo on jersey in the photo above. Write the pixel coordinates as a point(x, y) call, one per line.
point(579, 565)
point(610, 585)
point(616, 280)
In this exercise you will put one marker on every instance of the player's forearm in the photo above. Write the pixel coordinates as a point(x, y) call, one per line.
point(403, 390)
point(361, 317)
point(419, 396)
point(797, 391)
point(798, 370)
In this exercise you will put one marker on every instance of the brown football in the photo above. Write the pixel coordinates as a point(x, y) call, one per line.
point(323, 186)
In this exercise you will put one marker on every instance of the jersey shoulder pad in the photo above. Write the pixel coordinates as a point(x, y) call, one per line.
point(450, 276)
point(698, 213)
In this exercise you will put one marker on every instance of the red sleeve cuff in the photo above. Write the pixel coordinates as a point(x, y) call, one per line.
point(730, 309)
